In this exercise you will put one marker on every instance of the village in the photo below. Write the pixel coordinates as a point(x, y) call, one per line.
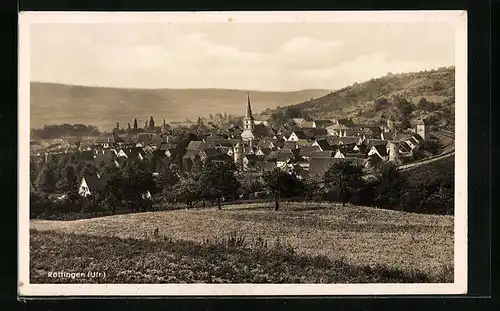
point(307, 150)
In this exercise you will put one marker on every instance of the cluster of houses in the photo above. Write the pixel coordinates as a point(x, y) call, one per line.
point(309, 149)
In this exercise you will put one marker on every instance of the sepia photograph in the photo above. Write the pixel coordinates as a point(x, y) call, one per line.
point(242, 153)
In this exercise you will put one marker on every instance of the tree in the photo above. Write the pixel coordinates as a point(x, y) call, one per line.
point(405, 108)
point(422, 103)
point(276, 119)
point(69, 179)
point(167, 179)
point(112, 190)
point(437, 86)
point(379, 103)
point(135, 183)
point(88, 169)
point(151, 124)
point(346, 177)
point(249, 185)
point(135, 124)
point(390, 184)
point(185, 191)
point(292, 112)
point(46, 180)
point(311, 187)
point(280, 183)
point(218, 180)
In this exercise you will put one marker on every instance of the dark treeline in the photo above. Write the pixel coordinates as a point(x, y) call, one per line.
point(56, 131)
point(215, 183)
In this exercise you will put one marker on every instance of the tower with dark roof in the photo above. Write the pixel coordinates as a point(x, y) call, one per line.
point(423, 129)
point(248, 123)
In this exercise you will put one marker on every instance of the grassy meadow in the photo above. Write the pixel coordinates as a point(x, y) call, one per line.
point(248, 243)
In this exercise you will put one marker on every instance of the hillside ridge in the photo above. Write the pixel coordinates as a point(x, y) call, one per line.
point(54, 103)
point(431, 93)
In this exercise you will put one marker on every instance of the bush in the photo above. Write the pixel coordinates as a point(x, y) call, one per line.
point(39, 204)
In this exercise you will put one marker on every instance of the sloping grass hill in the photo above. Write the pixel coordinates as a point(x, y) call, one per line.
point(392, 245)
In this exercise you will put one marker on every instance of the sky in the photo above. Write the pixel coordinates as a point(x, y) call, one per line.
point(250, 56)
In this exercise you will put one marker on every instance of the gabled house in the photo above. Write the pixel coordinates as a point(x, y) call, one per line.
point(289, 145)
point(404, 147)
point(321, 123)
point(412, 141)
point(88, 185)
point(318, 166)
point(296, 135)
point(322, 144)
point(205, 154)
point(267, 143)
point(284, 157)
point(323, 154)
point(337, 129)
point(303, 142)
point(373, 161)
point(315, 133)
point(168, 149)
point(349, 140)
point(369, 143)
point(380, 151)
point(147, 195)
point(307, 152)
point(262, 152)
point(261, 130)
point(195, 145)
point(132, 153)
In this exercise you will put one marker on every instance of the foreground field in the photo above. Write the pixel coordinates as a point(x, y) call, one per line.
point(414, 247)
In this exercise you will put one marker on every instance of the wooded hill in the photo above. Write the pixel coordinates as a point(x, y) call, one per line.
point(431, 93)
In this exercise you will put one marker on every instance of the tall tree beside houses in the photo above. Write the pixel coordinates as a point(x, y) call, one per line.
point(88, 169)
point(136, 183)
point(112, 189)
point(68, 180)
point(167, 178)
point(46, 181)
point(185, 191)
point(151, 124)
point(219, 181)
point(280, 184)
point(389, 186)
point(345, 177)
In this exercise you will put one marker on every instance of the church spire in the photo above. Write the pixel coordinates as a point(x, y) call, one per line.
point(249, 108)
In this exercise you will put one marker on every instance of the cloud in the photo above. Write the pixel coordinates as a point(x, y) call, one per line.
point(307, 53)
point(307, 44)
point(178, 56)
point(362, 68)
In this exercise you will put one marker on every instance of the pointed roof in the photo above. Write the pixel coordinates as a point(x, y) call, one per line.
point(249, 108)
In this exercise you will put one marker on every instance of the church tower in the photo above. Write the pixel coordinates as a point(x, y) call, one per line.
point(238, 154)
point(248, 123)
point(423, 129)
point(393, 147)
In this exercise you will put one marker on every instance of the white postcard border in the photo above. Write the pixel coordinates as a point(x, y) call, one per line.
point(458, 18)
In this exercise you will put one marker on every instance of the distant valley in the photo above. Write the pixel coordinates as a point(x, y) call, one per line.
point(101, 106)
